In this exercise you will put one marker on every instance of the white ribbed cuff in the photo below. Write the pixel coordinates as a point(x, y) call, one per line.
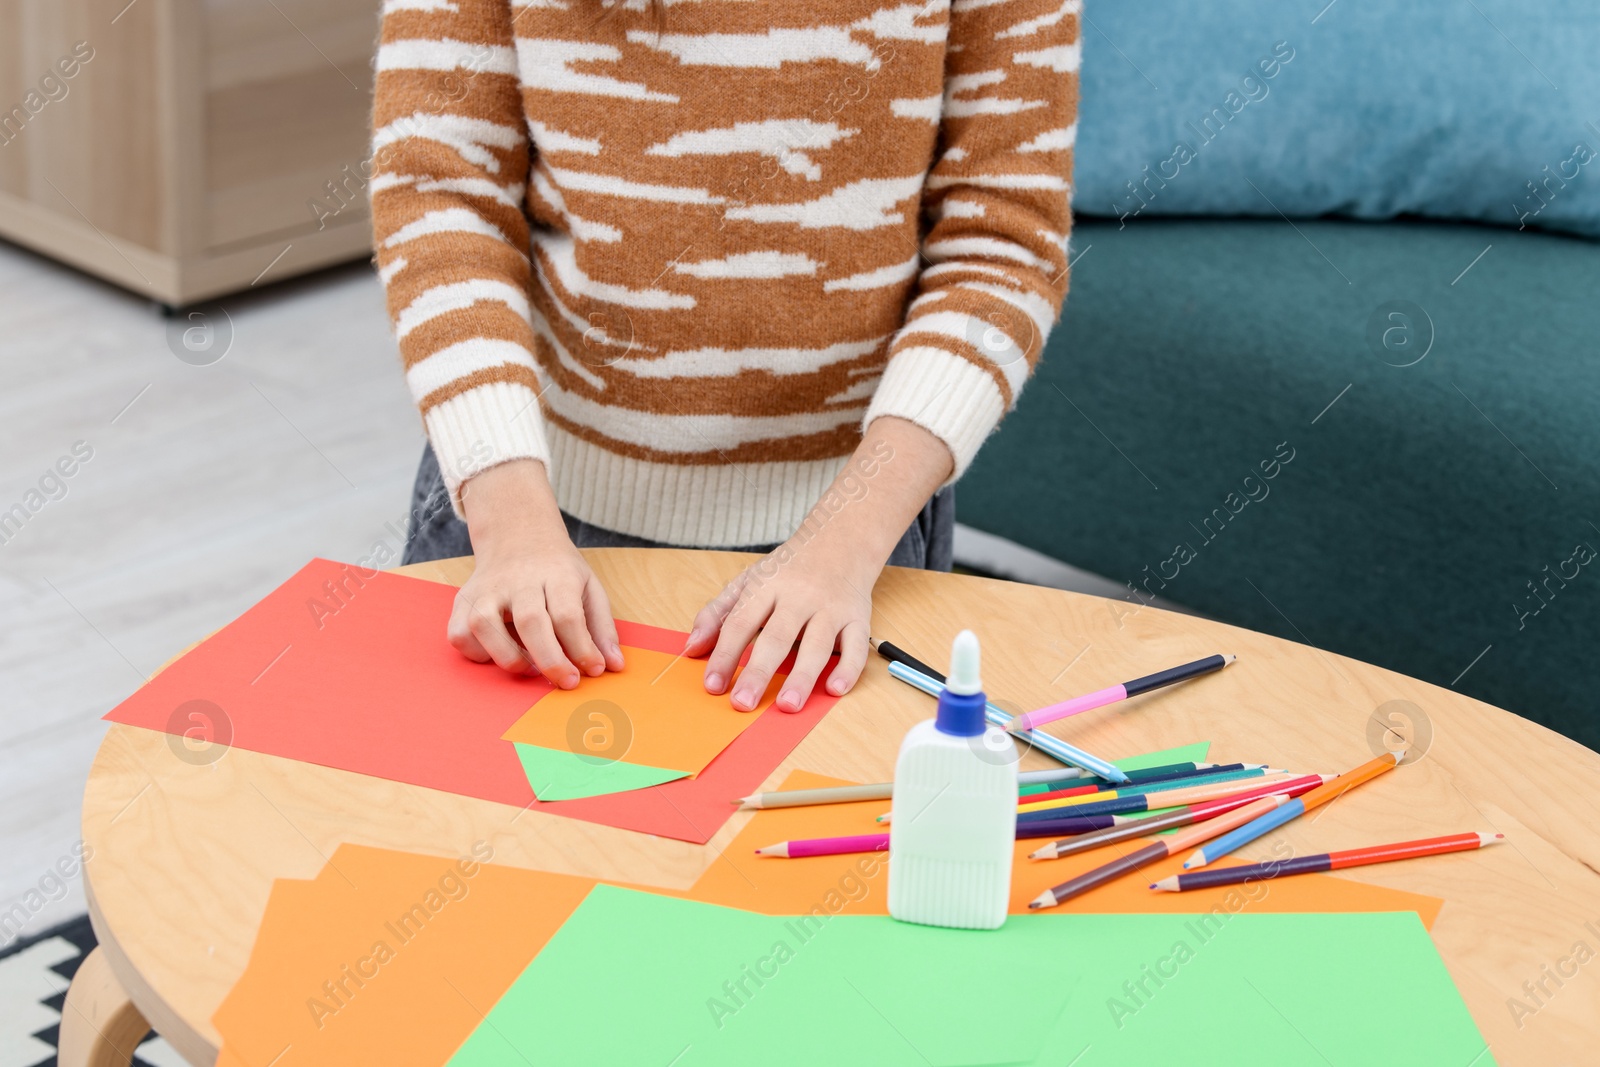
point(952, 398)
point(483, 428)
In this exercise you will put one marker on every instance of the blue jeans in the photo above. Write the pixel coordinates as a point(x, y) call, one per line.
point(435, 532)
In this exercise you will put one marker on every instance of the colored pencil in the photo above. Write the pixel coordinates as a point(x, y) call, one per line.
point(1112, 694)
point(1156, 851)
point(1069, 788)
point(1047, 778)
point(895, 654)
point(826, 846)
point(1067, 798)
point(1294, 809)
point(1057, 778)
point(1125, 827)
point(833, 794)
point(1075, 824)
point(1170, 799)
point(1050, 746)
point(1327, 861)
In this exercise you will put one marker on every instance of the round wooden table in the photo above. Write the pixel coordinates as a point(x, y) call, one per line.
point(184, 854)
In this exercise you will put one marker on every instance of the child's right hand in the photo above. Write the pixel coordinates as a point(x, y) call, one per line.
point(532, 602)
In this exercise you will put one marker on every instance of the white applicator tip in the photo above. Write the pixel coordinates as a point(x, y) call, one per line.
point(963, 679)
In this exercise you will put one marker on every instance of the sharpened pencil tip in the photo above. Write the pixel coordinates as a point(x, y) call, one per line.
point(1228, 658)
point(1046, 899)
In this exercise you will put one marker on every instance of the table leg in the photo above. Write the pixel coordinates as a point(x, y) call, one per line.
point(100, 1027)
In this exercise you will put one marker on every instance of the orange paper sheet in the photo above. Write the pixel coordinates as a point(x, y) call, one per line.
point(639, 714)
point(387, 957)
point(858, 884)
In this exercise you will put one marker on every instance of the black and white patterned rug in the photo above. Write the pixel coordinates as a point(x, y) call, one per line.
point(34, 973)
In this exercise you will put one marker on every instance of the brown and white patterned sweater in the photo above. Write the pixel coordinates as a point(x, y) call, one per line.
point(685, 262)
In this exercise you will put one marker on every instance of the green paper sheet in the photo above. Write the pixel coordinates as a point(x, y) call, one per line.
point(1195, 753)
point(559, 775)
point(677, 966)
point(636, 978)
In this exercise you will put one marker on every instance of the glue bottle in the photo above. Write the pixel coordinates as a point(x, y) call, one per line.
point(954, 809)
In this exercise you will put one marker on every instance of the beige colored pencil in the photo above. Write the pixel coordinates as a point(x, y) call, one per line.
point(838, 794)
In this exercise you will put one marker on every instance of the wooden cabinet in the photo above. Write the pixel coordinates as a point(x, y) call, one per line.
point(187, 148)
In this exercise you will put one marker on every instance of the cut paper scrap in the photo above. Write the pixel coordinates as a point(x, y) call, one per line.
point(1195, 753)
point(558, 775)
point(649, 723)
point(858, 884)
point(386, 957)
point(638, 714)
point(350, 669)
point(706, 986)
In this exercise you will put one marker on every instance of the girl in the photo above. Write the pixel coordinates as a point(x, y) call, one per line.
point(721, 273)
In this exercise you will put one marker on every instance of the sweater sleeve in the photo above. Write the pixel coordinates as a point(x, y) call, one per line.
point(994, 255)
point(450, 167)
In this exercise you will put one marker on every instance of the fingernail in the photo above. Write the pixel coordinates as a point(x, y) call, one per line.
point(594, 670)
point(744, 699)
point(569, 681)
point(714, 682)
point(694, 635)
point(835, 686)
point(790, 700)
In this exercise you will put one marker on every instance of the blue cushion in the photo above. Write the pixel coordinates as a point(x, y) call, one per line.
point(1469, 109)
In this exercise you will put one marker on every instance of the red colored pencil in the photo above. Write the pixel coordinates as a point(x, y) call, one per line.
point(1327, 861)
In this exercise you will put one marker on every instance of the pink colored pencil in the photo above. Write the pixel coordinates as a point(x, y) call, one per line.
point(827, 846)
point(1110, 695)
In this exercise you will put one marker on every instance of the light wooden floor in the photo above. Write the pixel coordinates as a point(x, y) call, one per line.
point(215, 484)
point(208, 486)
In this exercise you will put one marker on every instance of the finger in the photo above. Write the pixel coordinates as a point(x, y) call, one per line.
point(564, 603)
point(486, 622)
point(739, 627)
point(853, 646)
point(539, 638)
point(602, 627)
point(708, 623)
point(460, 634)
point(816, 645)
point(770, 650)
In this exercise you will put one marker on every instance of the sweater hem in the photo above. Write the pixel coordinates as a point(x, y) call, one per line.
point(693, 505)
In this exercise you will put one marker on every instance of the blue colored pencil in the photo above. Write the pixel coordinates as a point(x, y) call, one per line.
point(1046, 743)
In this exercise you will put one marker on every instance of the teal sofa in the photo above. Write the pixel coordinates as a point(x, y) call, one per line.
point(1424, 396)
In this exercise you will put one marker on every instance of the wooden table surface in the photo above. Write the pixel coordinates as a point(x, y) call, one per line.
point(184, 854)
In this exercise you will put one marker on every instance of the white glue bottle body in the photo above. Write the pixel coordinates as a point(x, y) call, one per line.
point(954, 810)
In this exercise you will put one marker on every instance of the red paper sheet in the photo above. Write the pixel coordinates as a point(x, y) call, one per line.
point(349, 669)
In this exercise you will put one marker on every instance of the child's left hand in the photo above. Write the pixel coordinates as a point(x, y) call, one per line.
point(818, 593)
point(817, 586)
